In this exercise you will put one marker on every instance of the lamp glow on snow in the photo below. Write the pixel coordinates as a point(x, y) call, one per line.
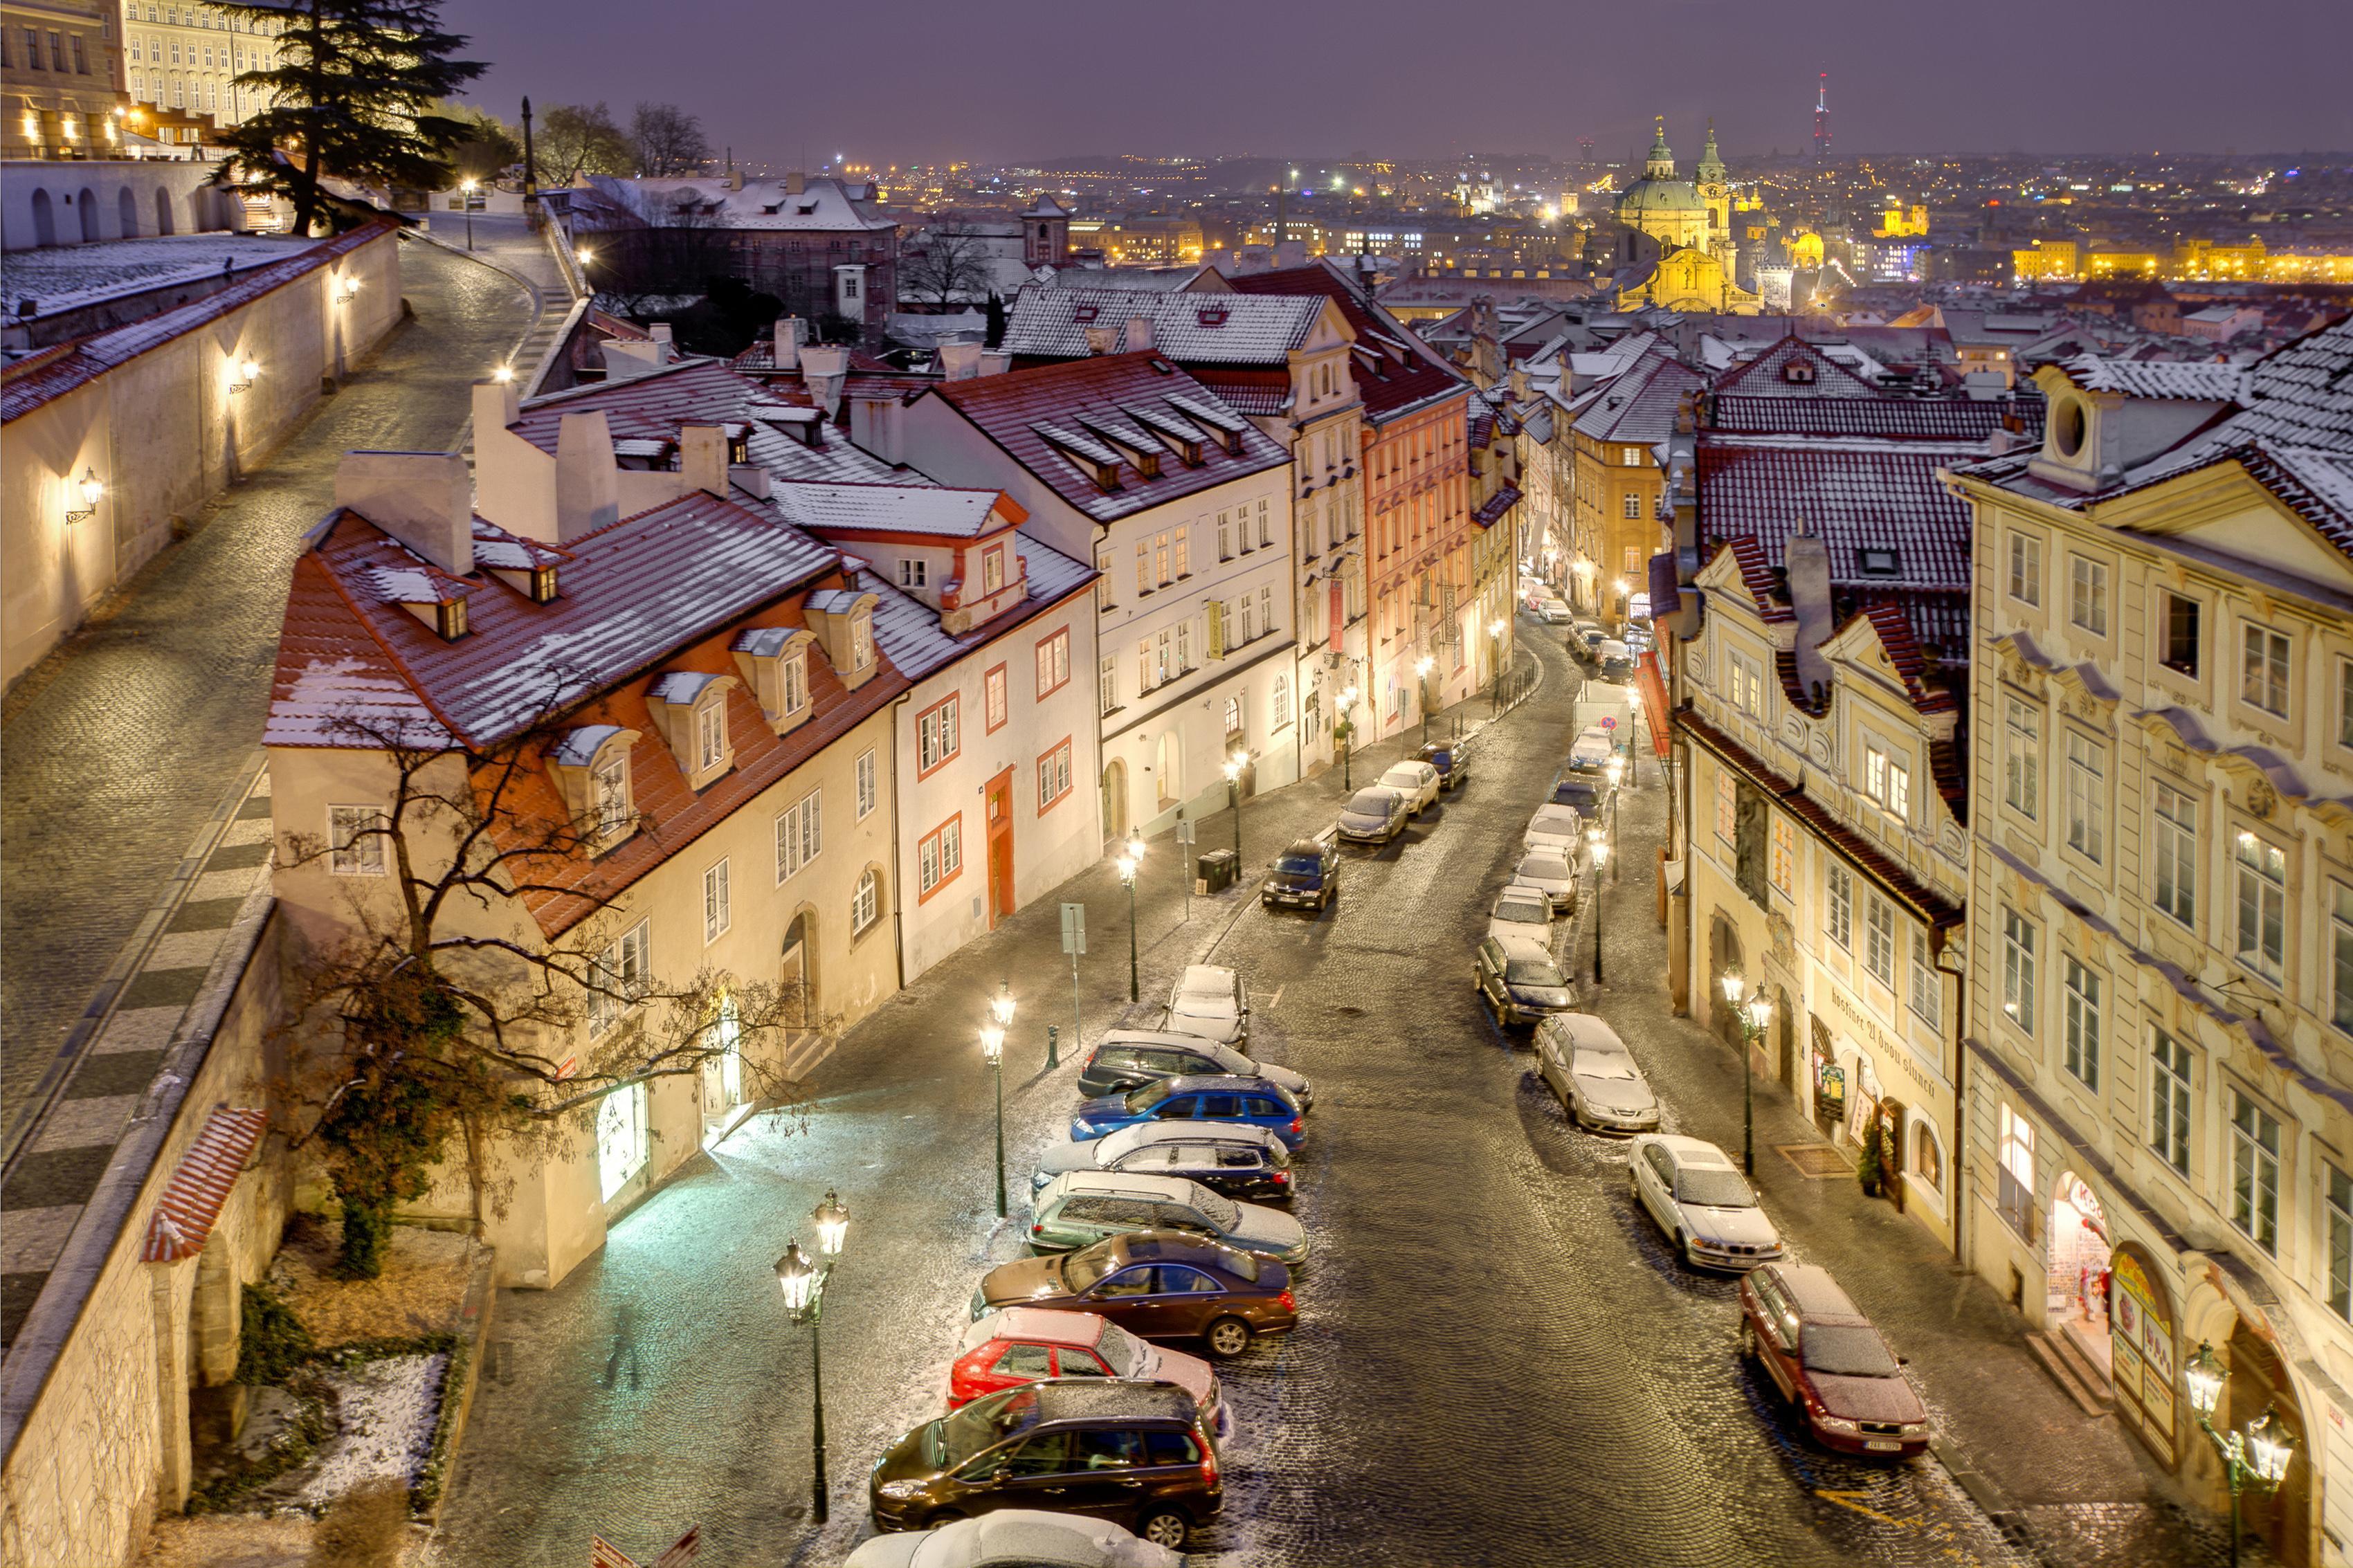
point(797, 1276)
point(1614, 769)
point(1136, 847)
point(832, 1224)
point(1000, 1006)
point(92, 490)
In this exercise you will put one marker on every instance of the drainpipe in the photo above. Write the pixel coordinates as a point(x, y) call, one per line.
point(1958, 1187)
point(898, 904)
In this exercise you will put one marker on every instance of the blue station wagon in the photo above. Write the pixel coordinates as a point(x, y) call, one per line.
point(1220, 1097)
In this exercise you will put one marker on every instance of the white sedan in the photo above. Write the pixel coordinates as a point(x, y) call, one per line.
point(1551, 871)
point(1699, 1197)
point(1522, 913)
point(1560, 829)
point(1416, 784)
point(1029, 1536)
point(1594, 1074)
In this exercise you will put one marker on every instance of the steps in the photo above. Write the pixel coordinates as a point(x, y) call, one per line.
point(2068, 1367)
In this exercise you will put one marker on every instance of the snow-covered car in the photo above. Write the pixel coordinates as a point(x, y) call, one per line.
point(1587, 634)
point(1555, 612)
point(1550, 871)
point(1524, 912)
point(1591, 750)
point(1021, 1344)
point(1560, 829)
point(1373, 816)
point(1594, 1074)
point(1520, 980)
point(1698, 1196)
point(1207, 1000)
point(1130, 1058)
point(1617, 661)
point(1241, 1161)
point(1079, 1208)
point(1016, 1535)
point(1416, 782)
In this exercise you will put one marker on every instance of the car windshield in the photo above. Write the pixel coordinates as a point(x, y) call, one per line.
point(1527, 911)
point(1304, 864)
point(1606, 1065)
point(1544, 869)
point(1370, 803)
point(1845, 1350)
point(1532, 972)
point(1220, 1211)
point(1121, 1352)
point(1084, 1267)
point(1715, 1190)
point(1150, 1095)
point(985, 1423)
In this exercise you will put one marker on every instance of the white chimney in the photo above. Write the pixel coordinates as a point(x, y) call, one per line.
point(824, 368)
point(1806, 562)
point(874, 427)
point(995, 362)
point(960, 362)
point(587, 490)
point(424, 500)
point(665, 350)
point(703, 458)
point(497, 405)
point(1139, 334)
point(791, 333)
point(1103, 340)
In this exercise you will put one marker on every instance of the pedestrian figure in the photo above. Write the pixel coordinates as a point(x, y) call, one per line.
point(625, 1346)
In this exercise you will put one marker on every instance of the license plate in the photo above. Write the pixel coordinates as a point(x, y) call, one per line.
point(1882, 1445)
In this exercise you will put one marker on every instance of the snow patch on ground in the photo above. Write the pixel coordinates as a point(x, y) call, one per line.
point(62, 277)
point(385, 1414)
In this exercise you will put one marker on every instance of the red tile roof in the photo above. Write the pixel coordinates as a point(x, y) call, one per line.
point(1895, 636)
point(1757, 577)
point(1395, 372)
point(1856, 494)
point(1640, 406)
point(192, 1201)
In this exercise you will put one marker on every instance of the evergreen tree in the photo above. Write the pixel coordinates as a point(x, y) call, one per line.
point(355, 94)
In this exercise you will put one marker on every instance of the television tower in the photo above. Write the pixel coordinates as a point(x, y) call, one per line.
point(1822, 117)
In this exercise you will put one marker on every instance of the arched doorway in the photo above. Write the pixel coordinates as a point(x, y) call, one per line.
point(2259, 1382)
point(2142, 1349)
point(2077, 1269)
point(1785, 1037)
point(1167, 772)
point(796, 973)
point(162, 211)
point(1114, 799)
point(87, 204)
point(126, 213)
point(722, 1074)
point(45, 219)
point(1723, 957)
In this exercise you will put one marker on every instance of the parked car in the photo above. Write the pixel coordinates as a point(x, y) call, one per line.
point(1550, 871)
point(1584, 636)
point(1210, 1001)
point(1229, 1157)
point(1221, 1098)
point(1306, 875)
point(1617, 660)
point(1158, 1285)
point(1104, 1447)
point(1591, 750)
point(1587, 793)
point(1417, 781)
point(1015, 1538)
point(1700, 1198)
point(1525, 912)
point(1130, 1058)
point(1555, 612)
point(1080, 1208)
point(1828, 1360)
point(1451, 758)
point(1373, 816)
point(1520, 981)
point(1558, 828)
point(1024, 1345)
point(1594, 1074)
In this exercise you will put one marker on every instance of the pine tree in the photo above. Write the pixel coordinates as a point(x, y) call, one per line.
point(355, 95)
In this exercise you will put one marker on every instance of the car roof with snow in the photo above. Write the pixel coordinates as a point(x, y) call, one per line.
point(1144, 1134)
point(1585, 1032)
point(1042, 1324)
point(1125, 1185)
point(1694, 1154)
point(1814, 1292)
point(1175, 1038)
point(1205, 979)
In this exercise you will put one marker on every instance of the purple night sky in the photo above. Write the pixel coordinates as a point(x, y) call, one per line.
point(1014, 79)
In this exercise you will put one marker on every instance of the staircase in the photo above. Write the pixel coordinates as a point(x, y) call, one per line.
point(2072, 1371)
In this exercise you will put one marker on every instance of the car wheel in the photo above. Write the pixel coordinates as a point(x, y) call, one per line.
point(1165, 1527)
point(1748, 1338)
point(1227, 1338)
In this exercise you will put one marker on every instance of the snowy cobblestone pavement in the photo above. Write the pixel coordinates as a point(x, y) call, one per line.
point(1497, 1362)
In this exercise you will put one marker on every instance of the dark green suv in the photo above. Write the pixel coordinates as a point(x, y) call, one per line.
point(1138, 1453)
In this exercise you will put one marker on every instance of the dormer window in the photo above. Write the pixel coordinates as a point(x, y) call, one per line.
point(449, 618)
point(914, 572)
point(992, 569)
point(1877, 562)
point(590, 767)
point(610, 798)
point(2070, 422)
point(710, 734)
point(861, 639)
point(1798, 371)
point(692, 710)
point(775, 661)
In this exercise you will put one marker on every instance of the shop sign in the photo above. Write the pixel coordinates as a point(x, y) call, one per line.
point(2141, 1350)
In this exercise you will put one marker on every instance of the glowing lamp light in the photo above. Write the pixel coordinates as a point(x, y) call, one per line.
point(1000, 1006)
point(467, 186)
point(503, 374)
point(2202, 1376)
point(992, 1044)
point(1760, 1011)
point(797, 1275)
point(1136, 847)
point(2270, 1445)
point(585, 257)
point(1600, 852)
point(832, 1224)
point(1348, 698)
point(1495, 628)
point(242, 373)
point(92, 490)
point(1733, 987)
point(1127, 864)
point(1424, 665)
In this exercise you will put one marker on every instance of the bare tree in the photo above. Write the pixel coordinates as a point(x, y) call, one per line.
point(673, 257)
point(669, 141)
point(451, 1017)
point(573, 140)
point(950, 267)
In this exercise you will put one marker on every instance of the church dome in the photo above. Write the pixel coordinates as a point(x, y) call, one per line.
point(1660, 196)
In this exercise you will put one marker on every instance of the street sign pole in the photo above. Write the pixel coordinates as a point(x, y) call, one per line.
point(1074, 942)
point(1185, 842)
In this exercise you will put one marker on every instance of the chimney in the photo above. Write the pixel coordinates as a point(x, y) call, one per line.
point(875, 426)
point(795, 183)
point(1806, 562)
point(1103, 340)
point(1139, 334)
point(791, 333)
point(587, 492)
point(665, 349)
point(703, 458)
point(824, 368)
point(995, 362)
point(424, 500)
point(497, 405)
point(960, 362)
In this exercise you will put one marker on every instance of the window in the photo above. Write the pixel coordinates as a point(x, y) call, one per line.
point(939, 855)
point(1879, 940)
point(1102, 580)
point(866, 785)
point(2087, 801)
point(1053, 663)
point(1185, 552)
point(1225, 537)
point(1747, 686)
point(1887, 782)
point(2173, 828)
point(1184, 645)
point(355, 839)
point(2344, 703)
point(1840, 884)
point(993, 701)
point(1160, 559)
point(1053, 776)
point(2340, 947)
point(992, 569)
point(711, 734)
point(2339, 1206)
point(1785, 854)
point(914, 572)
point(1728, 804)
point(1927, 991)
point(1282, 701)
point(2087, 594)
point(2017, 1183)
point(1106, 685)
point(1630, 506)
point(2018, 939)
point(1143, 566)
point(1266, 609)
point(2083, 1052)
point(2180, 634)
point(2263, 671)
point(1630, 457)
point(935, 737)
point(2262, 904)
point(2025, 568)
point(866, 903)
point(1265, 527)
point(801, 834)
point(2255, 1171)
point(620, 1138)
point(1927, 1158)
point(2022, 757)
point(716, 913)
point(2168, 1099)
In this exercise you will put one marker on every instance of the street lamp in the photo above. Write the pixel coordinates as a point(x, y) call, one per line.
point(1129, 864)
point(242, 374)
point(466, 190)
point(1347, 737)
point(1599, 845)
point(1613, 770)
point(803, 1282)
point(1421, 668)
point(1234, 765)
point(992, 1051)
point(1495, 659)
point(2261, 1454)
point(1754, 1020)
point(92, 490)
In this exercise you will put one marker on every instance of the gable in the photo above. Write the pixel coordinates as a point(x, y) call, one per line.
point(2224, 509)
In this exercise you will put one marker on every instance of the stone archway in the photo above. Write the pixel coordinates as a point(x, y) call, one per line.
point(2077, 1251)
point(126, 213)
point(2259, 1382)
point(1785, 1037)
point(86, 204)
point(164, 211)
point(797, 971)
point(44, 218)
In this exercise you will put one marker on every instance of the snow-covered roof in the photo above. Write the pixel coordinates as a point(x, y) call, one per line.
point(2173, 380)
point(578, 747)
point(57, 279)
point(679, 687)
point(835, 601)
point(823, 204)
point(1191, 329)
point(895, 509)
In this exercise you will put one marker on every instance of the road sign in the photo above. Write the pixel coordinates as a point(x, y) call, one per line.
point(1074, 929)
point(1610, 722)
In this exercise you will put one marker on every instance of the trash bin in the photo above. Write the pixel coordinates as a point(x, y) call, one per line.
point(1214, 872)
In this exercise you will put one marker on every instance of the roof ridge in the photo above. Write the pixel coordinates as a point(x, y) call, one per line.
point(408, 675)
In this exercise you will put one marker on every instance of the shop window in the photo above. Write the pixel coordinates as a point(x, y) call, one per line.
point(620, 1138)
point(1928, 1156)
point(2255, 1171)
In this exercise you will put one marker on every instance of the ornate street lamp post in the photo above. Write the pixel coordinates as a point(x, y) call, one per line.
point(1129, 864)
point(1421, 668)
point(2260, 1453)
point(1614, 770)
point(1599, 845)
point(804, 1286)
point(466, 196)
point(992, 1051)
point(1754, 1019)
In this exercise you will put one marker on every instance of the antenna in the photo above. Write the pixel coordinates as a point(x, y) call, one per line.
point(1822, 117)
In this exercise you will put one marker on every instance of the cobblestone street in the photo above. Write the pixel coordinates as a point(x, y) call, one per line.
point(122, 743)
point(1498, 1359)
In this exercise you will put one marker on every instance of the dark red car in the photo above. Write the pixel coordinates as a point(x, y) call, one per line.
point(1157, 1284)
point(1828, 1360)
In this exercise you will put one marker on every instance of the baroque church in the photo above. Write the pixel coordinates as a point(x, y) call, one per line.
point(1693, 257)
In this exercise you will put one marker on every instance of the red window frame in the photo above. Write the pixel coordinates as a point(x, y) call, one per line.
point(947, 756)
point(924, 895)
point(1049, 659)
point(995, 682)
point(1070, 781)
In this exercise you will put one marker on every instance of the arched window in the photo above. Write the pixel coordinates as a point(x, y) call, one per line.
point(866, 903)
point(1927, 1158)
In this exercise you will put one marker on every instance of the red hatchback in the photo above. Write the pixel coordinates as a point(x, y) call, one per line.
point(1023, 1344)
point(1829, 1361)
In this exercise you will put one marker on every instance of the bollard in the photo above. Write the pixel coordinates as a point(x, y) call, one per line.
point(1053, 1045)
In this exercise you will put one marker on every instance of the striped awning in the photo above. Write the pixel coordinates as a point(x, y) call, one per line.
point(184, 1215)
